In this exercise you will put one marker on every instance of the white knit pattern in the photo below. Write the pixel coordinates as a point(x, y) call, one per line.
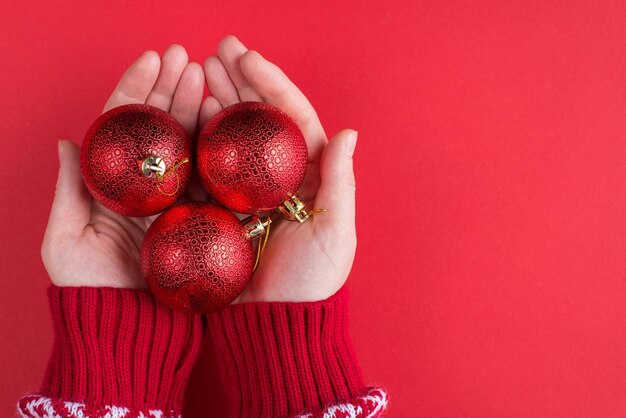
point(369, 405)
point(41, 407)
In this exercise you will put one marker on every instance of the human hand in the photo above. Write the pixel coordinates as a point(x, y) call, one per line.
point(86, 244)
point(312, 260)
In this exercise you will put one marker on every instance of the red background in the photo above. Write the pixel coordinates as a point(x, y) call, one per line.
point(490, 274)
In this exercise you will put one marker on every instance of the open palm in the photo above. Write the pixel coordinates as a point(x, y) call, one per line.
point(308, 261)
point(86, 244)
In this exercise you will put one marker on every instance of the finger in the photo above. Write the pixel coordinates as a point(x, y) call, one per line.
point(218, 82)
point(274, 86)
point(71, 207)
point(311, 183)
point(137, 82)
point(337, 188)
point(210, 107)
point(230, 51)
point(173, 64)
point(188, 97)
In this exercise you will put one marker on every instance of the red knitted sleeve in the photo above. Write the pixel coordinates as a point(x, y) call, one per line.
point(117, 353)
point(291, 359)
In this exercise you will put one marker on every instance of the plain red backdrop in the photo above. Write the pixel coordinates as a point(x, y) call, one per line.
point(490, 274)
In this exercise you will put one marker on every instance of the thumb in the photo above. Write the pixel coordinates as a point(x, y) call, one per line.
point(338, 186)
point(71, 207)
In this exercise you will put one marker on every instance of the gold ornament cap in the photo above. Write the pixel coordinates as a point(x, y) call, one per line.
point(293, 209)
point(153, 165)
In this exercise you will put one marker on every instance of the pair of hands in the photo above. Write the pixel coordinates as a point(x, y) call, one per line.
point(86, 244)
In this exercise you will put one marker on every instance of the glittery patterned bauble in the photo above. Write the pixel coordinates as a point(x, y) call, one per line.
point(196, 257)
point(113, 155)
point(251, 157)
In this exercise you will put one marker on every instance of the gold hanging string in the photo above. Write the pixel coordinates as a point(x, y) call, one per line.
point(315, 211)
point(160, 177)
point(262, 243)
point(304, 215)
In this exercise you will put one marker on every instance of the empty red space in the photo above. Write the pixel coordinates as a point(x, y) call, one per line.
point(490, 278)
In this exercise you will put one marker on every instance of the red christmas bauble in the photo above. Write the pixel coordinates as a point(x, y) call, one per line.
point(251, 157)
point(136, 160)
point(196, 257)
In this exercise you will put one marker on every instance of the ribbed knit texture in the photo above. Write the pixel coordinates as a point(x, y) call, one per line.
point(119, 347)
point(281, 359)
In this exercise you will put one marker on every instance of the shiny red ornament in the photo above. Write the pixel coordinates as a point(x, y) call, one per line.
point(251, 157)
point(136, 160)
point(197, 257)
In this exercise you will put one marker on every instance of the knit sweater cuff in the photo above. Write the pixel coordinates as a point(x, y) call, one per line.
point(116, 350)
point(277, 359)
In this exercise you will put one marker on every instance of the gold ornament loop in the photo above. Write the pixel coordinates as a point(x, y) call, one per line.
point(153, 164)
point(157, 165)
point(293, 209)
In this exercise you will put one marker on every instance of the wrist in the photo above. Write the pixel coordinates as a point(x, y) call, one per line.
point(117, 348)
point(285, 357)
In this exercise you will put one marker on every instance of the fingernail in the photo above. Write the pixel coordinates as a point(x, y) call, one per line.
point(149, 53)
point(351, 143)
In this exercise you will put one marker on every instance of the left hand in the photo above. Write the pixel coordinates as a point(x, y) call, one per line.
point(312, 260)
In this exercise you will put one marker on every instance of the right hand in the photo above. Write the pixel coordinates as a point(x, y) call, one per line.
point(86, 244)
